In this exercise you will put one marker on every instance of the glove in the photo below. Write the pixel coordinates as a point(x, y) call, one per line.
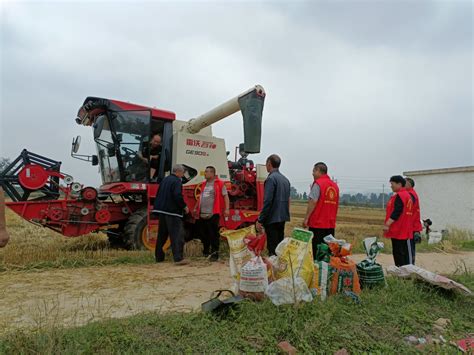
point(417, 237)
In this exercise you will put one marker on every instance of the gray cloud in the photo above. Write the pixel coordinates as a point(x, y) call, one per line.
point(372, 88)
point(417, 25)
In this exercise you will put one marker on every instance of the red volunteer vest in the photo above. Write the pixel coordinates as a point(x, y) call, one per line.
point(417, 227)
point(325, 213)
point(402, 228)
point(219, 203)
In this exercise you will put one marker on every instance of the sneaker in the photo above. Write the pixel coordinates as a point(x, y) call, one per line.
point(181, 262)
point(214, 257)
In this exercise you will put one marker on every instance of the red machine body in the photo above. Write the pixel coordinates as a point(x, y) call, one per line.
point(121, 207)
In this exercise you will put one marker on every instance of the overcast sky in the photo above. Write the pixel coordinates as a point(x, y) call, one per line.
point(372, 88)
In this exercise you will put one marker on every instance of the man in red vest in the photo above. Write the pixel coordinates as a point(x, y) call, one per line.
point(213, 203)
point(322, 206)
point(417, 226)
point(399, 222)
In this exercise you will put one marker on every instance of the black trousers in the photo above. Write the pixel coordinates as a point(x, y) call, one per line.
point(171, 226)
point(275, 234)
point(402, 252)
point(209, 233)
point(318, 236)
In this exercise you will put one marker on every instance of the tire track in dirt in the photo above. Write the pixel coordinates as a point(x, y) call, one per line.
point(72, 297)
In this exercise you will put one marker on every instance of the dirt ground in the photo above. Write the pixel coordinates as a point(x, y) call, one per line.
point(70, 297)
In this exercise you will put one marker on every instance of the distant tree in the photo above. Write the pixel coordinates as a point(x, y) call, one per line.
point(293, 193)
point(305, 196)
point(345, 198)
point(373, 199)
point(360, 198)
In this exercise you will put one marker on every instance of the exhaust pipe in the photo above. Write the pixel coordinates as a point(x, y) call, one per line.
point(4, 237)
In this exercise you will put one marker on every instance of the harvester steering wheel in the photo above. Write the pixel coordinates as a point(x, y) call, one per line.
point(130, 154)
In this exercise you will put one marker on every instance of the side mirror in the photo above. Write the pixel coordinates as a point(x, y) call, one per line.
point(76, 142)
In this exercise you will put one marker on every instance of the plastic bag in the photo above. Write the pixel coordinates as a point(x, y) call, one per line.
point(370, 273)
point(372, 249)
point(288, 291)
point(322, 277)
point(345, 276)
point(239, 253)
point(323, 253)
point(417, 272)
point(270, 273)
point(435, 237)
point(338, 247)
point(255, 243)
point(254, 279)
point(295, 254)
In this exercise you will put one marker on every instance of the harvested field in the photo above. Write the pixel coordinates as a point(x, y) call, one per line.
point(35, 300)
point(47, 279)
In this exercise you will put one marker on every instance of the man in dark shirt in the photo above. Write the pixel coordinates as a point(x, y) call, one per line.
point(169, 205)
point(151, 153)
point(276, 204)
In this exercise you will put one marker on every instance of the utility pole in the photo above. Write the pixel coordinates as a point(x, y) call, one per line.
point(383, 196)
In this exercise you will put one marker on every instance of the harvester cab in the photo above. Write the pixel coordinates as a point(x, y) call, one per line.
point(136, 148)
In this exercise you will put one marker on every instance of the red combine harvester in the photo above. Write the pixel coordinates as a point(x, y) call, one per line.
point(42, 194)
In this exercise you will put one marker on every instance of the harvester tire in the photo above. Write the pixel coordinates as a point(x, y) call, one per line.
point(116, 239)
point(132, 233)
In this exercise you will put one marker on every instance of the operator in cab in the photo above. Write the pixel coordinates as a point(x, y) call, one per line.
point(151, 153)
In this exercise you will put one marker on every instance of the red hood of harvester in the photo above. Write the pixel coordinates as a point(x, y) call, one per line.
point(94, 106)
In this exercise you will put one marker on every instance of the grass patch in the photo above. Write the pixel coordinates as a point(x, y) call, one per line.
point(378, 325)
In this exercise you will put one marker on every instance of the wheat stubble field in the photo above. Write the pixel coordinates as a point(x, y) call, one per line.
point(32, 247)
point(48, 280)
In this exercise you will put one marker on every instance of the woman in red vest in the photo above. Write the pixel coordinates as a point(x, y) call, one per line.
point(399, 222)
point(213, 203)
point(417, 226)
point(322, 206)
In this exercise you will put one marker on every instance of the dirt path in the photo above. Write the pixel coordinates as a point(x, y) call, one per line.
point(77, 296)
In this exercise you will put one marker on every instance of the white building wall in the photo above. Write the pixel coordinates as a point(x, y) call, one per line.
point(446, 198)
